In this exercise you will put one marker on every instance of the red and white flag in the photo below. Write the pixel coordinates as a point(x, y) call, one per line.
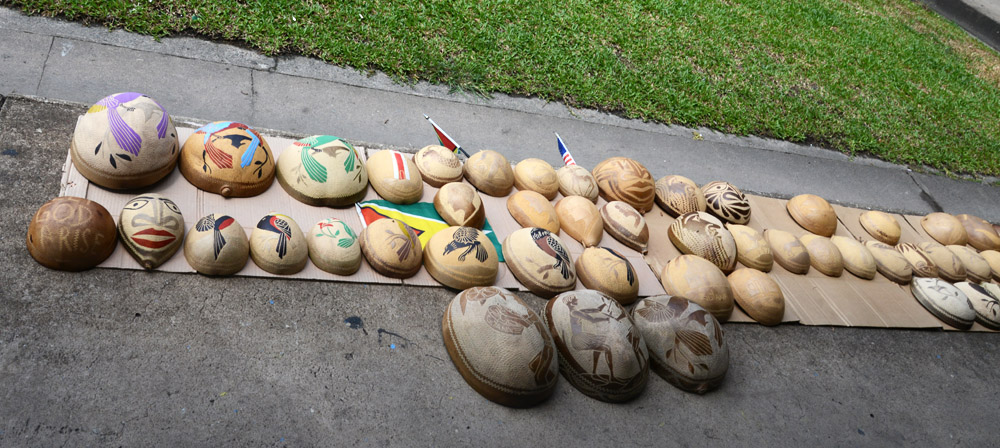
point(400, 169)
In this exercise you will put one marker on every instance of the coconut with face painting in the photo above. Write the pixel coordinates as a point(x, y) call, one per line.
point(152, 228)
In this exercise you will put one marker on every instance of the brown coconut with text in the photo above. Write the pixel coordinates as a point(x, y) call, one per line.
point(624, 179)
point(686, 343)
point(322, 170)
point(788, 251)
point(601, 352)
point(949, 267)
point(575, 180)
point(540, 261)
point(278, 246)
point(605, 270)
point(701, 234)
point(759, 295)
point(490, 172)
point(678, 195)
point(391, 248)
point(461, 257)
point(217, 245)
point(395, 177)
point(726, 202)
point(752, 250)
point(823, 255)
point(229, 159)
point(701, 282)
point(500, 347)
point(538, 176)
point(813, 213)
point(334, 247)
point(625, 224)
point(152, 228)
point(460, 205)
point(71, 234)
point(981, 233)
point(580, 219)
point(531, 209)
point(438, 165)
point(881, 226)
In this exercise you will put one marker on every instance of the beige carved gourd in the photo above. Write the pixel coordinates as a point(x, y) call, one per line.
point(624, 179)
point(945, 229)
point(701, 234)
point(394, 177)
point(752, 249)
point(881, 226)
point(678, 195)
point(538, 176)
point(579, 218)
point(949, 267)
point(699, 281)
point(813, 213)
point(575, 180)
point(438, 165)
point(391, 248)
point(531, 209)
point(460, 205)
point(823, 254)
point(858, 260)
point(605, 270)
point(726, 202)
point(540, 261)
point(759, 295)
point(920, 261)
point(625, 224)
point(334, 247)
point(461, 257)
point(890, 262)
point(981, 233)
point(788, 251)
point(490, 172)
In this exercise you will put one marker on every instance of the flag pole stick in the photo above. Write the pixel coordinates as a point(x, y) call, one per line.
point(446, 136)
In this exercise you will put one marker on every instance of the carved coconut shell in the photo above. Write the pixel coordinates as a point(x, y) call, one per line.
point(752, 249)
point(759, 295)
point(823, 255)
point(986, 305)
point(624, 179)
point(992, 258)
point(813, 213)
point(584, 322)
point(71, 234)
point(921, 263)
point(490, 172)
point(151, 228)
point(323, 170)
point(944, 301)
point(890, 262)
point(701, 234)
point(607, 271)
point(228, 158)
point(788, 251)
point(531, 209)
point(678, 195)
point(881, 226)
point(278, 246)
point(391, 248)
point(701, 282)
point(500, 347)
point(461, 257)
point(217, 245)
point(538, 176)
point(858, 260)
point(949, 267)
point(977, 269)
point(981, 233)
point(395, 177)
point(727, 202)
point(670, 325)
point(334, 247)
point(438, 165)
point(945, 229)
point(460, 205)
point(579, 218)
point(540, 261)
point(125, 141)
point(625, 224)
point(574, 180)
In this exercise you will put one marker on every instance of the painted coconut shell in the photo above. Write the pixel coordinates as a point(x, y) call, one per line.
point(579, 218)
point(759, 295)
point(538, 176)
point(977, 269)
point(152, 228)
point(461, 257)
point(881, 226)
point(540, 261)
point(992, 288)
point(607, 271)
point(500, 347)
point(752, 249)
point(625, 224)
point(601, 353)
point(71, 234)
point(986, 305)
point(686, 343)
point(727, 202)
point(813, 213)
point(981, 233)
point(334, 247)
point(890, 262)
point(125, 141)
point(438, 165)
point(323, 170)
point(920, 262)
point(278, 246)
point(394, 177)
point(858, 260)
point(944, 301)
point(701, 282)
point(391, 248)
point(945, 229)
point(228, 158)
point(531, 209)
point(490, 172)
point(992, 258)
point(460, 205)
point(823, 255)
point(574, 180)
point(217, 245)
point(699, 233)
point(948, 265)
point(624, 179)
point(788, 251)
point(678, 195)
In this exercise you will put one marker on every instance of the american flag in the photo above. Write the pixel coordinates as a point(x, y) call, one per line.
point(567, 158)
point(445, 139)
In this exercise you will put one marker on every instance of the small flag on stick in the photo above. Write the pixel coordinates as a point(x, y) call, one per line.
point(567, 158)
point(446, 140)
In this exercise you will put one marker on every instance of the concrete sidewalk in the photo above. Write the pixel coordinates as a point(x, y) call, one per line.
point(210, 81)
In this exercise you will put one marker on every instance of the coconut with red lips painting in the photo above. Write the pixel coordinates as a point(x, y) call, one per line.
point(152, 228)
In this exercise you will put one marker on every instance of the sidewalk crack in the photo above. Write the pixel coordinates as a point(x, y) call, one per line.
point(253, 99)
point(925, 194)
point(52, 43)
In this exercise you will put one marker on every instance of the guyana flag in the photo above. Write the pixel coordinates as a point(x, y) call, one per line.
point(421, 216)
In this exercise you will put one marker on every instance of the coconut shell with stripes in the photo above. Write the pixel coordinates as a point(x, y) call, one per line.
point(726, 202)
point(921, 263)
point(701, 234)
point(678, 195)
point(395, 177)
point(624, 179)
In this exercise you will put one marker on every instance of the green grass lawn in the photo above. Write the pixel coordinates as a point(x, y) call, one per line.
point(886, 78)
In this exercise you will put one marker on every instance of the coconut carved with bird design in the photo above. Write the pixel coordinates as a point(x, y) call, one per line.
point(334, 247)
point(438, 165)
point(392, 248)
point(278, 246)
point(217, 245)
point(540, 261)
point(605, 270)
point(461, 257)
point(228, 158)
point(323, 170)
